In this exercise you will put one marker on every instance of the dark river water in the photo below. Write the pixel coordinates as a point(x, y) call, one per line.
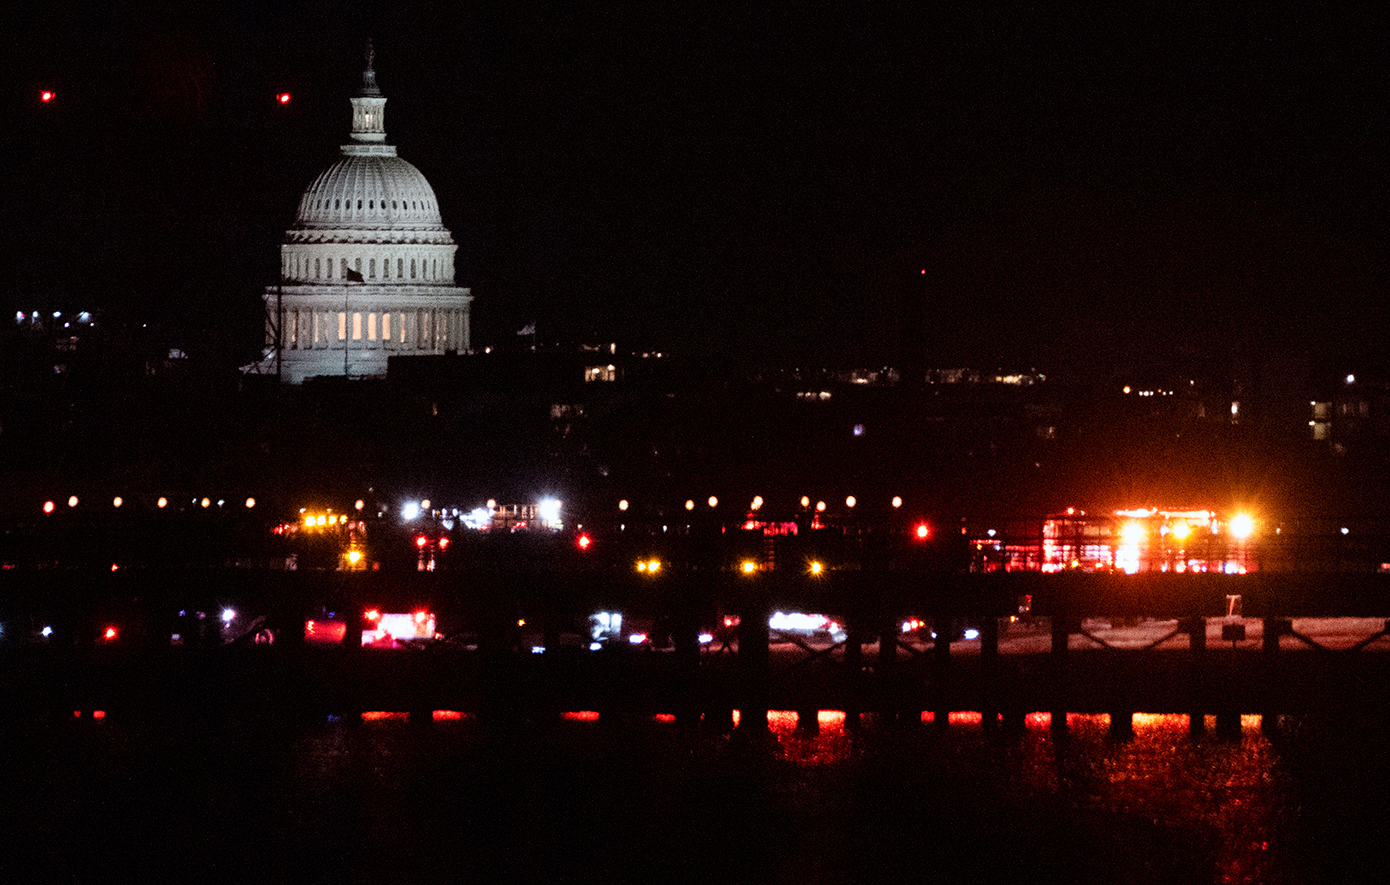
point(388, 800)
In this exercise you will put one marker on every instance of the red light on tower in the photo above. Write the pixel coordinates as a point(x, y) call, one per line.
point(583, 542)
point(47, 95)
point(922, 531)
point(443, 543)
point(421, 541)
point(110, 634)
point(48, 506)
point(283, 98)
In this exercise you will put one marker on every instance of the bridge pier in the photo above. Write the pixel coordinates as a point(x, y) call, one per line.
point(1061, 670)
point(1196, 629)
point(941, 671)
point(854, 676)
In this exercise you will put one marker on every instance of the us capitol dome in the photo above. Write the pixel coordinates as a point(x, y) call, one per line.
point(367, 270)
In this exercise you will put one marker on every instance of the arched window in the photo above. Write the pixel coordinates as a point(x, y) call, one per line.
point(371, 268)
point(400, 268)
point(370, 205)
point(344, 268)
point(318, 269)
point(393, 204)
point(335, 204)
point(412, 268)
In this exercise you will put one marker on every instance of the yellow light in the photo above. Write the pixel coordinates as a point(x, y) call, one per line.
point(757, 502)
point(308, 522)
point(521, 622)
point(653, 567)
point(321, 520)
point(689, 505)
point(491, 504)
point(206, 502)
point(817, 568)
point(117, 501)
point(641, 565)
point(749, 566)
point(897, 501)
point(358, 504)
point(250, 502)
point(820, 506)
point(72, 502)
point(354, 556)
point(805, 501)
point(622, 505)
point(162, 503)
point(850, 501)
point(713, 501)
point(1242, 526)
point(1181, 530)
point(425, 504)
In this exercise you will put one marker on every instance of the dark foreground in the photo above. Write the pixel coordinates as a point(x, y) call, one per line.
point(223, 798)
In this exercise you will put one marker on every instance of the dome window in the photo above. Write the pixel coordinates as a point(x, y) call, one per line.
point(359, 204)
point(335, 205)
point(393, 204)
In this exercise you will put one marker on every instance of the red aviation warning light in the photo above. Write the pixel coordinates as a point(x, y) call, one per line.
point(282, 98)
point(421, 540)
point(110, 634)
point(47, 96)
point(583, 542)
point(921, 531)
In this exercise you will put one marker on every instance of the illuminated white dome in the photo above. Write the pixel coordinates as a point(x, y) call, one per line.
point(367, 270)
point(365, 194)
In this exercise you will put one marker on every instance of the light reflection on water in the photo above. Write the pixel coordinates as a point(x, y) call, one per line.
point(333, 801)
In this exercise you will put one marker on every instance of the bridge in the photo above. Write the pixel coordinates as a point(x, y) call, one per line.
point(516, 644)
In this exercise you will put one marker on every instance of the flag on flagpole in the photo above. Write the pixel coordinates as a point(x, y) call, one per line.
point(353, 276)
point(528, 329)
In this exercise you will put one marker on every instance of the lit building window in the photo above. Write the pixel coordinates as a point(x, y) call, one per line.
point(342, 326)
point(357, 327)
point(386, 327)
point(371, 327)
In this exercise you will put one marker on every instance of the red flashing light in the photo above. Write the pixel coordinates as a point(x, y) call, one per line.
point(47, 95)
point(421, 541)
point(48, 506)
point(583, 542)
point(110, 634)
point(283, 98)
point(373, 614)
point(922, 531)
point(443, 543)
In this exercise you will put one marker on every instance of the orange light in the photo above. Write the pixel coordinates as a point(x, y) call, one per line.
point(749, 566)
point(817, 568)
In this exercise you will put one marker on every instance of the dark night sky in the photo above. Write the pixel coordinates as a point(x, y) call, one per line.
point(1143, 187)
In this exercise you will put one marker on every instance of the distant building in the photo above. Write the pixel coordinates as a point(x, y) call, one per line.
point(367, 270)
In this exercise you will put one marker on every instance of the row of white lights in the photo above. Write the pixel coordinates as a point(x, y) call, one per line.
point(757, 503)
point(162, 502)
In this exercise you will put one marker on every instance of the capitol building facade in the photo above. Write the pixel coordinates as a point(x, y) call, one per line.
point(367, 270)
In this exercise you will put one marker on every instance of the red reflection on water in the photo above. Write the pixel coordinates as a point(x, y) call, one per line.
point(384, 715)
point(98, 714)
point(581, 716)
point(450, 715)
point(665, 717)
